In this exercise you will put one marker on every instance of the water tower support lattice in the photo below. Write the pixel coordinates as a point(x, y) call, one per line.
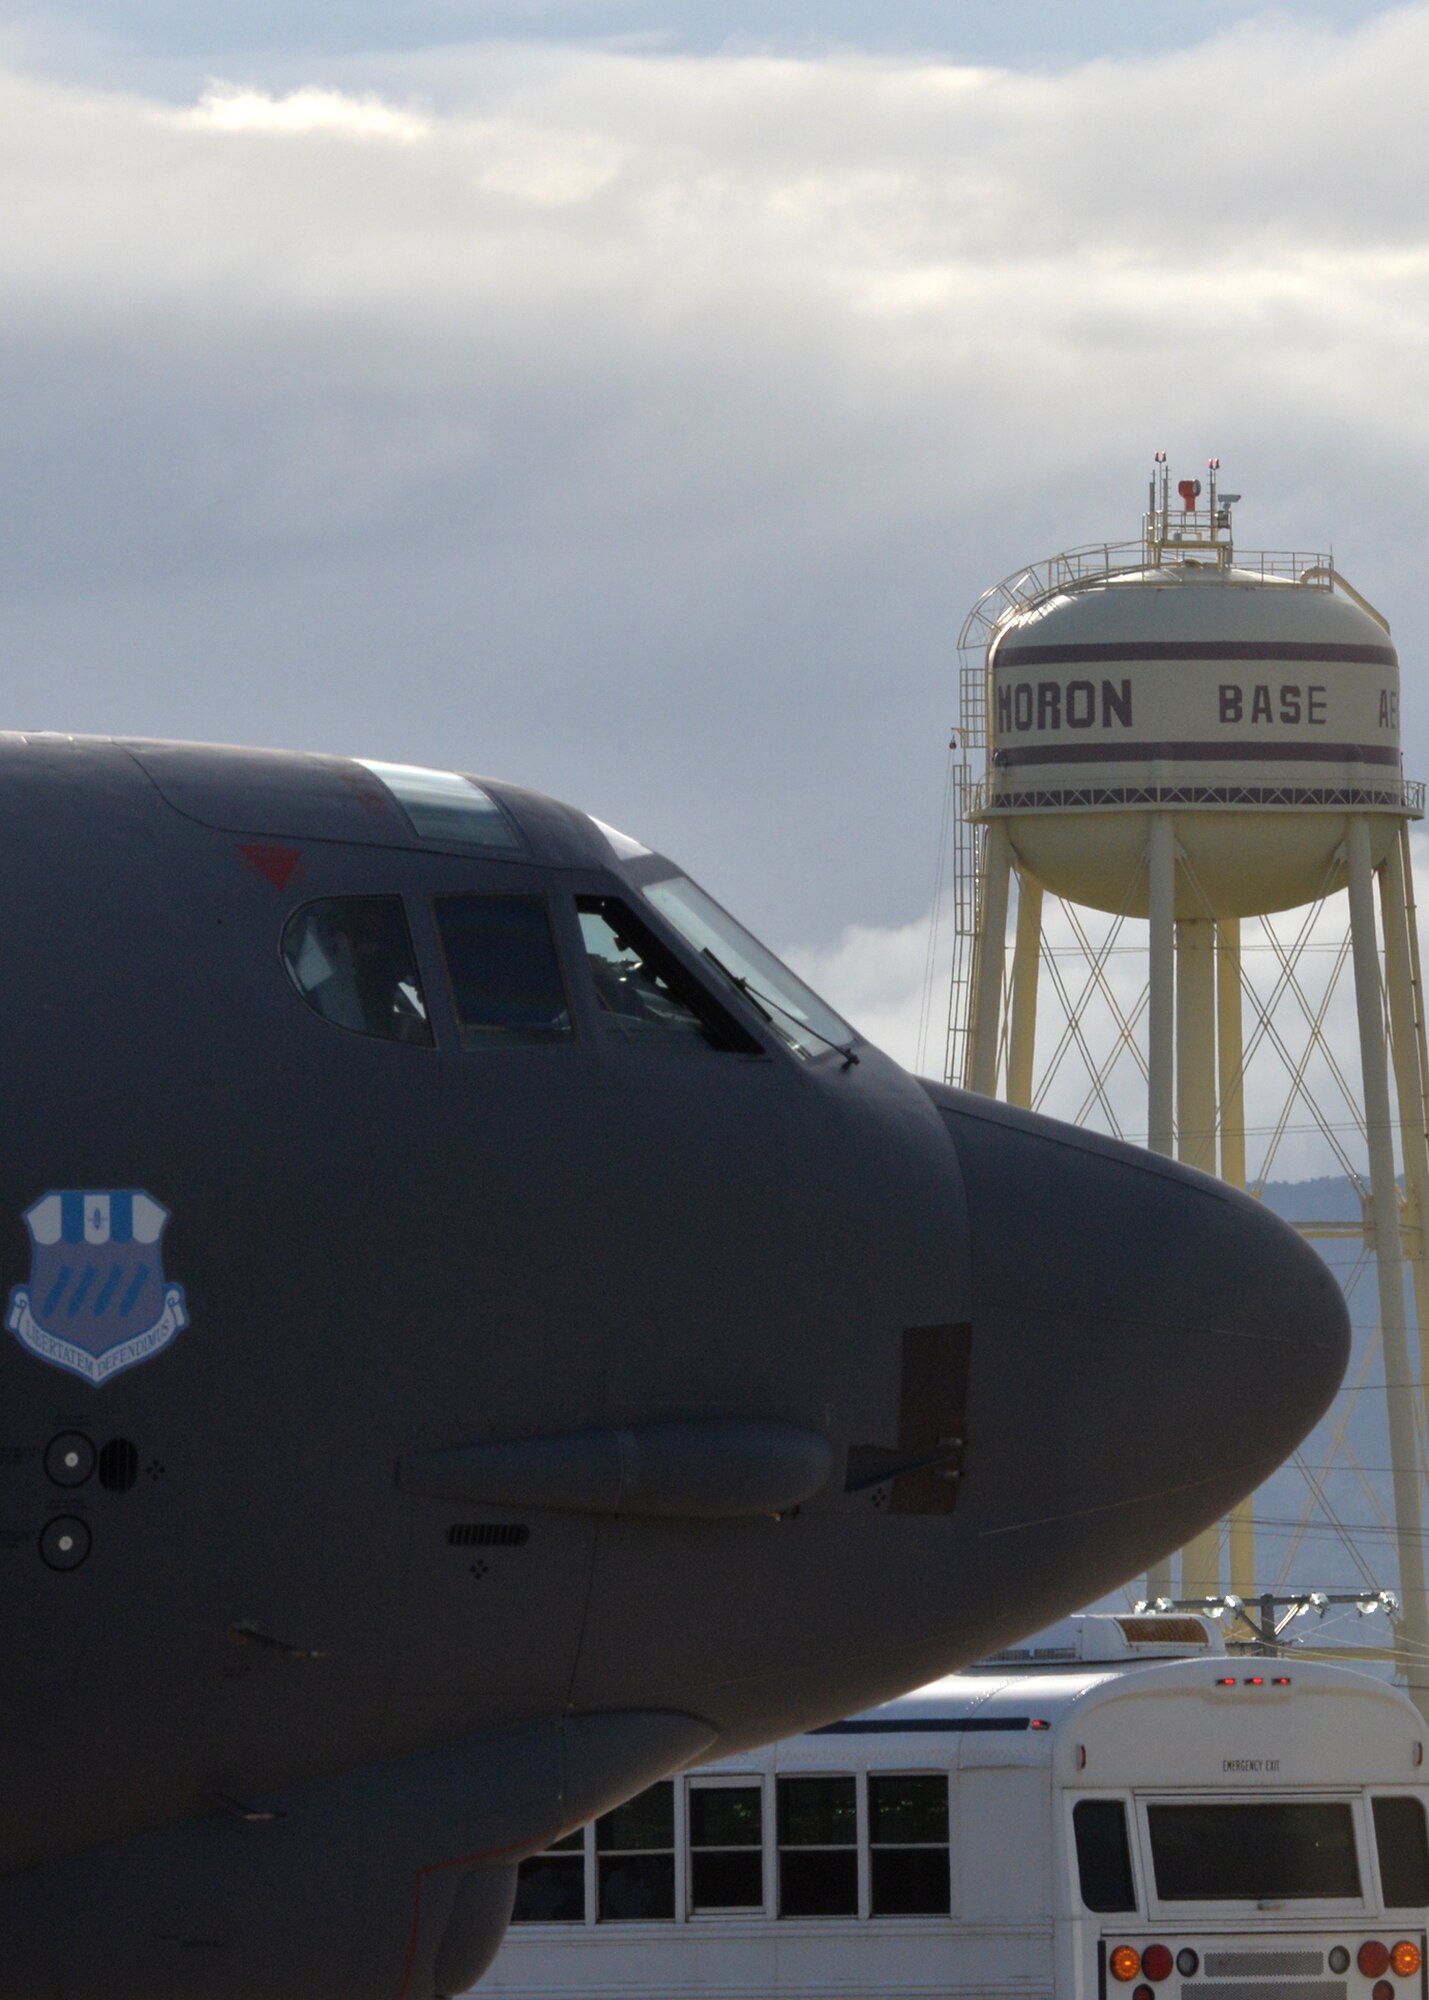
point(1199, 740)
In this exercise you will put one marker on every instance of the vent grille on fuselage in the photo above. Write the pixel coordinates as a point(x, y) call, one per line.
point(488, 1535)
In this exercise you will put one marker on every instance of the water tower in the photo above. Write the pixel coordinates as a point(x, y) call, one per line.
point(1184, 736)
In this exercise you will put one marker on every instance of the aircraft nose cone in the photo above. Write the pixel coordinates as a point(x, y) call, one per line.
point(1148, 1344)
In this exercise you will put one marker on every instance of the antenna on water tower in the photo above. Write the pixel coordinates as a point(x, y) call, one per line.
point(1185, 737)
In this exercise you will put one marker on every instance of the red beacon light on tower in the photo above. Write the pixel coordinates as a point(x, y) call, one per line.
point(1196, 537)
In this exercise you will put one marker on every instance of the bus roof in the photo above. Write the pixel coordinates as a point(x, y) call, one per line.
point(1191, 1722)
point(1052, 1697)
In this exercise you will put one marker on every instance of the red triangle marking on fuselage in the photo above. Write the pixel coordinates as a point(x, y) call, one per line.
point(277, 865)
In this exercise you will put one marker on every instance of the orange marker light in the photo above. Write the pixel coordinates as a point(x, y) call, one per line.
point(1125, 1962)
point(1404, 1960)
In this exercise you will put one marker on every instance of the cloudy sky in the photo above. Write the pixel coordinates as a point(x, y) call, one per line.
point(630, 398)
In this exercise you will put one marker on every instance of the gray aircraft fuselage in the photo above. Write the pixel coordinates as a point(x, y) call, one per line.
point(508, 1412)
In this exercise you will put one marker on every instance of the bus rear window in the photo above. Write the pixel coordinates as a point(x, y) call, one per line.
point(1403, 1853)
point(1253, 1850)
point(1103, 1854)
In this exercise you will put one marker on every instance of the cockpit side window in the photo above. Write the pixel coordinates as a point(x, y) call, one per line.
point(505, 975)
point(792, 1010)
point(351, 958)
point(645, 994)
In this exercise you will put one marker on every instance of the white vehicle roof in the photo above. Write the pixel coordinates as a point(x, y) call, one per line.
point(1115, 1635)
point(1177, 1722)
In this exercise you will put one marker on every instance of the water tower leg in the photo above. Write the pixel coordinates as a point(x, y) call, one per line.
point(1406, 1029)
point(1161, 1034)
point(1389, 1267)
point(986, 1022)
point(1161, 1024)
point(1230, 1039)
point(1230, 1043)
point(1196, 1043)
point(1026, 962)
point(1196, 1145)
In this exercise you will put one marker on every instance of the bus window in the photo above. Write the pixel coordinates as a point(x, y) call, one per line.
point(726, 1847)
point(1103, 1854)
point(1253, 1850)
point(908, 1842)
point(635, 1858)
point(505, 977)
point(550, 1887)
point(818, 1848)
point(351, 959)
point(1403, 1853)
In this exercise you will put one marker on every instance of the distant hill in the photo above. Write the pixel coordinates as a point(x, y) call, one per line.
point(1347, 1541)
point(1327, 1198)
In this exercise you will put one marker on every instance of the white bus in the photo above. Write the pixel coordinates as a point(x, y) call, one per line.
point(1089, 1823)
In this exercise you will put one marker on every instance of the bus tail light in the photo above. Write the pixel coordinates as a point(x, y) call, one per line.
point(1156, 1962)
point(1125, 1962)
point(1339, 1959)
point(1373, 1960)
point(1188, 1962)
point(1404, 1960)
point(1381, 1990)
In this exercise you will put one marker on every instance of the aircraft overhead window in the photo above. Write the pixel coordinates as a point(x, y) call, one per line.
point(351, 958)
point(908, 1840)
point(794, 1012)
point(635, 1858)
point(505, 976)
point(818, 1847)
point(645, 994)
point(444, 806)
point(550, 1887)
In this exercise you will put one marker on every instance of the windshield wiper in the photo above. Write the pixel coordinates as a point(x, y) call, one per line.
point(762, 1002)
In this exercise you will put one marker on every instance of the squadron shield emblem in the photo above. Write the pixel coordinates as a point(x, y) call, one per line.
point(97, 1300)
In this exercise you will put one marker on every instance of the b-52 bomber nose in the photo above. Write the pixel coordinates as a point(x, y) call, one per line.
point(1149, 1342)
point(482, 1334)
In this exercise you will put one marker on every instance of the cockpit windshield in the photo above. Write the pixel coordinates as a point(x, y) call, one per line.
point(795, 1013)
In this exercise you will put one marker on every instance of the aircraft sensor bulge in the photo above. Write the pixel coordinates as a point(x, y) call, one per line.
point(471, 1311)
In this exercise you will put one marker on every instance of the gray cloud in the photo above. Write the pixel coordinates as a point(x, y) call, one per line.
point(642, 427)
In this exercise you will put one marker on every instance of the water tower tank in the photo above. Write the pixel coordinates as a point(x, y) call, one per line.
point(1254, 699)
